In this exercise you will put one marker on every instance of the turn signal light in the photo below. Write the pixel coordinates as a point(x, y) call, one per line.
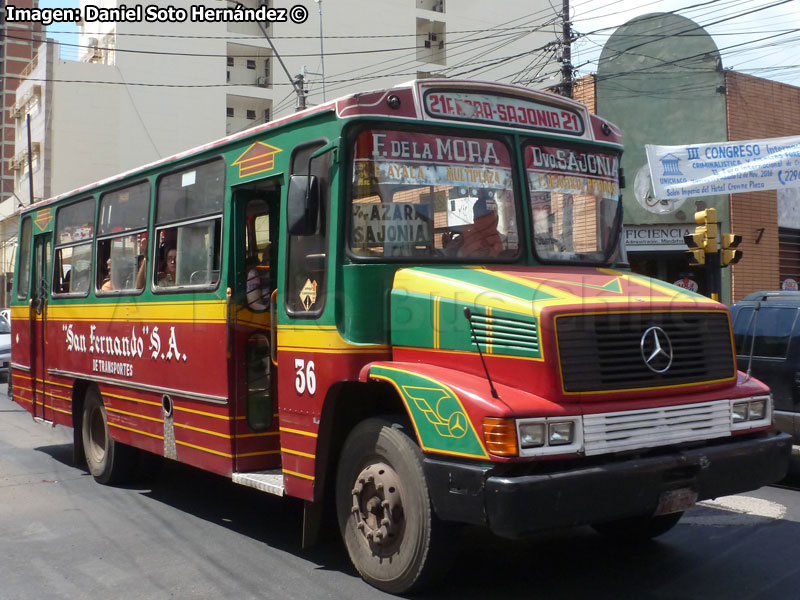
point(500, 436)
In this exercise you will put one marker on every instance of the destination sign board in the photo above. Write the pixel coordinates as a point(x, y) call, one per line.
point(502, 110)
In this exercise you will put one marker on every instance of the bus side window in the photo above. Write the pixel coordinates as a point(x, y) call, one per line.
point(188, 246)
point(73, 256)
point(24, 268)
point(122, 239)
point(72, 272)
point(306, 273)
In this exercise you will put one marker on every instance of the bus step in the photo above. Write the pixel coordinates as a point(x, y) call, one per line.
point(44, 421)
point(265, 481)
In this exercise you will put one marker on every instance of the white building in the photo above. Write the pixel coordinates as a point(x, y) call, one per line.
point(164, 87)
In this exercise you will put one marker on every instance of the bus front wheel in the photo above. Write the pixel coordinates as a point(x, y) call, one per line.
point(108, 461)
point(384, 509)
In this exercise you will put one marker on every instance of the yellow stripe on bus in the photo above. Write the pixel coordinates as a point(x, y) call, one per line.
point(132, 430)
point(203, 413)
point(210, 311)
point(241, 436)
point(65, 398)
point(320, 339)
point(298, 453)
point(209, 450)
point(227, 436)
point(262, 453)
point(301, 475)
point(298, 432)
point(130, 414)
point(131, 399)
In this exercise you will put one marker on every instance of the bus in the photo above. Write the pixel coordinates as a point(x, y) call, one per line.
point(407, 308)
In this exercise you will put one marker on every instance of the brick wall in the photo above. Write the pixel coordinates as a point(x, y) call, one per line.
point(584, 90)
point(757, 109)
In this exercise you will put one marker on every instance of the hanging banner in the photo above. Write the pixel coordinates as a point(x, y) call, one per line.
point(724, 167)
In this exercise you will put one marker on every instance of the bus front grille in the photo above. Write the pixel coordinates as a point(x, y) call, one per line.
point(604, 352)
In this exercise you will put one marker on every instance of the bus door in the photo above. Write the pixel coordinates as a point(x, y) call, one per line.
point(253, 292)
point(38, 306)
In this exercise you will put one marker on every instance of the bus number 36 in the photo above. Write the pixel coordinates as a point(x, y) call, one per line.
point(305, 378)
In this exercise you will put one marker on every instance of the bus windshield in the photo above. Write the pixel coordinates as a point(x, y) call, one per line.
point(574, 201)
point(432, 196)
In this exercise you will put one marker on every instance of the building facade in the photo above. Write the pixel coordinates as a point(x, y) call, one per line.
point(144, 90)
point(661, 80)
point(18, 44)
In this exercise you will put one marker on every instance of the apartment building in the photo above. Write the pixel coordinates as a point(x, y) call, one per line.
point(17, 47)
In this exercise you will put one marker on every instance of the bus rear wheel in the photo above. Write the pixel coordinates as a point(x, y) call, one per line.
point(108, 461)
point(384, 509)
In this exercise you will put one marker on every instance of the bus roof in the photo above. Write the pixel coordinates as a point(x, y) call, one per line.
point(477, 103)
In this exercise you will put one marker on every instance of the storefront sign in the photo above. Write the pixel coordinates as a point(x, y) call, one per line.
point(697, 170)
point(649, 238)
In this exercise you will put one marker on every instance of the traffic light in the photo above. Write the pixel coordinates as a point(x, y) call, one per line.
point(704, 239)
point(729, 255)
point(697, 251)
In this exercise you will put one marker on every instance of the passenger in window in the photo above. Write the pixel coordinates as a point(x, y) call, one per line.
point(142, 259)
point(481, 238)
point(259, 285)
point(65, 283)
point(107, 285)
point(166, 274)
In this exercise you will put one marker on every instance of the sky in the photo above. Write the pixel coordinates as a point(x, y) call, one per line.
point(773, 58)
point(776, 58)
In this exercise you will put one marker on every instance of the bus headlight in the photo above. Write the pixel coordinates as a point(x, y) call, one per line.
point(550, 435)
point(739, 412)
point(561, 433)
point(749, 413)
point(531, 435)
point(758, 409)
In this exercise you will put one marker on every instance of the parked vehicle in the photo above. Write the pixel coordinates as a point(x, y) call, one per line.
point(767, 333)
point(5, 349)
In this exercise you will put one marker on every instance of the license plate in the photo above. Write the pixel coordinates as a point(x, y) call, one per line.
point(673, 501)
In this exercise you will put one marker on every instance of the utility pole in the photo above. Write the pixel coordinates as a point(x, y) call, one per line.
point(566, 52)
point(299, 86)
point(321, 49)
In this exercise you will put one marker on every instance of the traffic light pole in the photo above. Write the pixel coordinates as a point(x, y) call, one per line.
point(714, 275)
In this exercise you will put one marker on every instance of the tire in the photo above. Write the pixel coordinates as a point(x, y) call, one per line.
point(638, 529)
point(384, 509)
point(108, 461)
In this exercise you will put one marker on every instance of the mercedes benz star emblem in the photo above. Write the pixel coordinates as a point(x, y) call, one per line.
point(656, 350)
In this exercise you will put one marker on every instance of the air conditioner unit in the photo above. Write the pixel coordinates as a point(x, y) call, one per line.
point(262, 82)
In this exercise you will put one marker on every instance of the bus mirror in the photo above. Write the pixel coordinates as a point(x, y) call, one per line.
point(302, 204)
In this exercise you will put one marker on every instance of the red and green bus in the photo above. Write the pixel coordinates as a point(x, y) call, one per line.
point(410, 306)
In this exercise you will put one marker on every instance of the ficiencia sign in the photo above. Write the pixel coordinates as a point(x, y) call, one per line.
point(502, 110)
point(644, 238)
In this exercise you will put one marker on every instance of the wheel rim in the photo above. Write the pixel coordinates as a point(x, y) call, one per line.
point(378, 508)
point(97, 435)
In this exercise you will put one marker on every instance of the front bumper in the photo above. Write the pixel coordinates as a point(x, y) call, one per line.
point(515, 506)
